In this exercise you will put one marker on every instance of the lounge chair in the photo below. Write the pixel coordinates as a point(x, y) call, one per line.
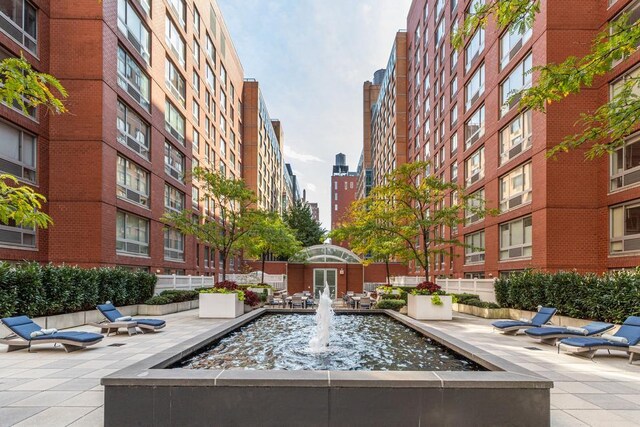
point(628, 335)
point(115, 320)
point(26, 332)
point(511, 327)
point(551, 335)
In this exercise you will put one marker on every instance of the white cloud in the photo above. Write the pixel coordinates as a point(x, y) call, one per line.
point(311, 187)
point(304, 158)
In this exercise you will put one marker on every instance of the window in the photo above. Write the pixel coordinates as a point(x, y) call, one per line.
point(515, 239)
point(510, 44)
point(439, 32)
point(515, 188)
point(223, 101)
point(211, 79)
point(19, 20)
point(196, 52)
point(12, 234)
point(132, 130)
point(474, 249)
point(132, 234)
point(174, 122)
point(174, 41)
point(211, 50)
point(519, 79)
point(173, 198)
point(633, 10)
point(180, 10)
point(454, 172)
point(474, 204)
point(18, 153)
point(474, 128)
point(454, 143)
point(625, 227)
point(195, 197)
point(474, 87)
point(195, 79)
point(625, 164)
point(473, 49)
point(132, 79)
point(195, 112)
point(453, 117)
point(195, 144)
point(454, 88)
point(196, 20)
point(515, 137)
point(474, 167)
point(223, 76)
point(173, 245)
point(131, 25)
point(174, 162)
point(174, 81)
point(132, 182)
point(223, 148)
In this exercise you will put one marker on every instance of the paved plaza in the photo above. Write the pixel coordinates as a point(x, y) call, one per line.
point(51, 387)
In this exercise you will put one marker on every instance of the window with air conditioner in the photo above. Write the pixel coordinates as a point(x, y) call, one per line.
point(625, 164)
point(474, 88)
point(516, 239)
point(515, 138)
point(18, 152)
point(633, 11)
point(132, 234)
point(131, 25)
point(19, 20)
point(515, 188)
point(174, 41)
point(174, 121)
point(475, 203)
point(474, 49)
point(174, 162)
point(132, 130)
point(474, 128)
point(510, 44)
point(175, 82)
point(132, 79)
point(625, 228)
point(173, 245)
point(474, 167)
point(474, 248)
point(132, 182)
point(173, 198)
point(518, 80)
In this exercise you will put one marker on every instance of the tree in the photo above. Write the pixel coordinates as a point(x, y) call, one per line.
point(415, 207)
point(234, 215)
point(270, 235)
point(606, 128)
point(366, 234)
point(308, 230)
point(25, 88)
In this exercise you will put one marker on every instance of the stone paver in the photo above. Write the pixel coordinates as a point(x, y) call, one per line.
point(51, 387)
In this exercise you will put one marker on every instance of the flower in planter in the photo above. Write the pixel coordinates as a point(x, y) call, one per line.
point(427, 288)
point(251, 298)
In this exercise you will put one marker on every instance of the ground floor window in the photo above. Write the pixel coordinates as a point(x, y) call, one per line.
point(14, 235)
point(132, 234)
point(515, 239)
point(625, 227)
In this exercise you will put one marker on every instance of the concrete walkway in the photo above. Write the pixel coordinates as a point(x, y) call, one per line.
point(53, 388)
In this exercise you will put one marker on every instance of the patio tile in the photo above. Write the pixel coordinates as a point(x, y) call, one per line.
point(8, 397)
point(46, 398)
point(601, 418)
point(40, 384)
point(53, 417)
point(563, 419)
point(12, 416)
point(99, 373)
point(87, 398)
point(570, 401)
point(92, 419)
point(629, 415)
point(34, 373)
point(609, 401)
point(576, 387)
point(80, 384)
point(615, 387)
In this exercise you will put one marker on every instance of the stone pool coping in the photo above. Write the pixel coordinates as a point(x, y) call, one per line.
point(151, 371)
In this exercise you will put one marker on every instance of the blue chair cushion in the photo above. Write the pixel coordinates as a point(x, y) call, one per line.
point(21, 326)
point(503, 324)
point(592, 328)
point(543, 316)
point(588, 342)
point(109, 311)
point(630, 329)
point(151, 322)
point(78, 336)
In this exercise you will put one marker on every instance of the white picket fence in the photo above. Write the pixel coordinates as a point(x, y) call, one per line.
point(482, 287)
point(173, 281)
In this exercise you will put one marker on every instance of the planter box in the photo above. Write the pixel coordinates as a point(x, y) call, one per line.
point(64, 321)
point(221, 306)
point(420, 307)
point(194, 304)
point(157, 310)
point(487, 313)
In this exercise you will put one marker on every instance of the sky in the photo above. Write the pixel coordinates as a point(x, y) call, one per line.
point(311, 58)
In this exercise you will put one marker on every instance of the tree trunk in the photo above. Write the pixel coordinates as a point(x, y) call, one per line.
point(425, 237)
point(264, 256)
point(223, 255)
point(386, 261)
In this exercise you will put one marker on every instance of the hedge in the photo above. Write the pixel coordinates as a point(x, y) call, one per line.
point(393, 304)
point(611, 297)
point(36, 290)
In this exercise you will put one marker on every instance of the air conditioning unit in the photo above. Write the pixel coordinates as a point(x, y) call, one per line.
point(133, 196)
point(516, 201)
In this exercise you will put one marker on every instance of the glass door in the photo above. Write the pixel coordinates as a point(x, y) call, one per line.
point(322, 276)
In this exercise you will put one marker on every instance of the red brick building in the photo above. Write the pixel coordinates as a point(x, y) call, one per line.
point(344, 186)
point(153, 91)
point(555, 214)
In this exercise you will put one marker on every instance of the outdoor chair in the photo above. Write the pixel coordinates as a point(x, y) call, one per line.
point(628, 335)
point(365, 302)
point(26, 332)
point(511, 327)
point(551, 335)
point(115, 320)
point(297, 302)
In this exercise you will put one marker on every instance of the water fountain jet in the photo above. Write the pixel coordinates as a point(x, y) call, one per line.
point(324, 319)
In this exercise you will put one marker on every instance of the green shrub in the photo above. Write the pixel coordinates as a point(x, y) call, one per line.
point(392, 304)
point(41, 290)
point(391, 296)
point(462, 298)
point(158, 300)
point(476, 302)
point(175, 295)
point(611, 297)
